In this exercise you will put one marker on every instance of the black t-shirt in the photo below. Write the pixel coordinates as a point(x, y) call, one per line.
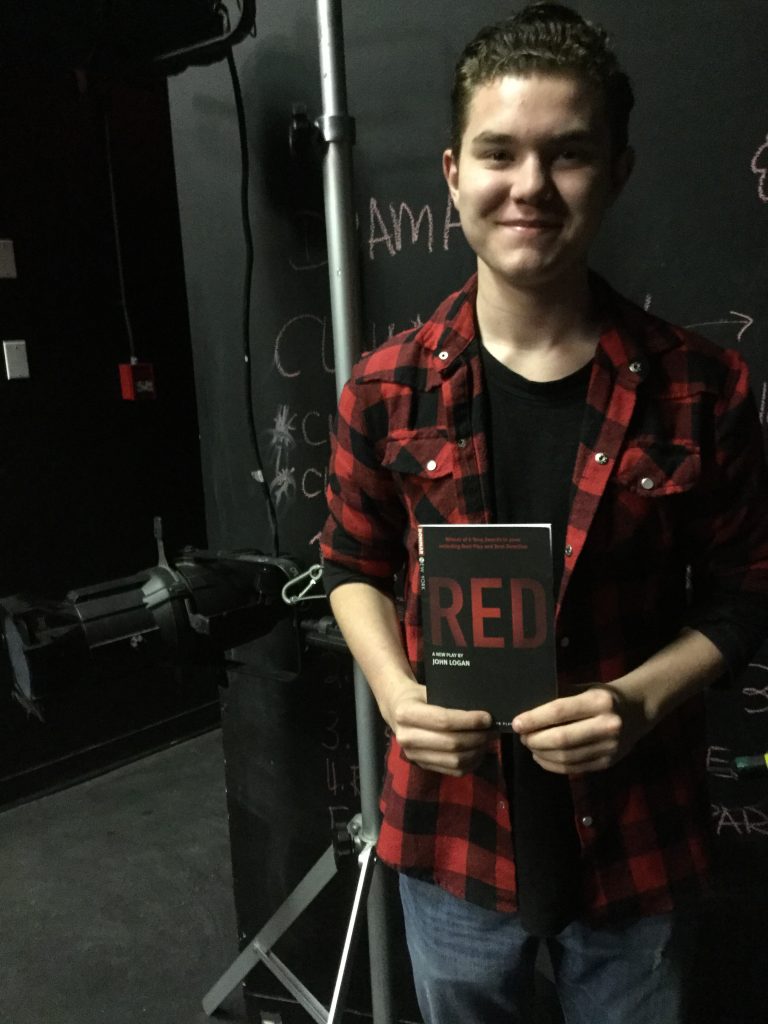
point(534, 435)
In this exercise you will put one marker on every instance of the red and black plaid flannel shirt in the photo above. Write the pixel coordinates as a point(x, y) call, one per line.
point(669, 484)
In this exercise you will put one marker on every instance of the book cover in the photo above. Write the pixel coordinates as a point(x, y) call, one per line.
point(488, 617)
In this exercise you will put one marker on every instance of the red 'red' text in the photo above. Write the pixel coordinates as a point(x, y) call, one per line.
point(522, 619)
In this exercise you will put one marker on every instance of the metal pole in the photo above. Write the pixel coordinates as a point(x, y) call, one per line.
point(337, 128)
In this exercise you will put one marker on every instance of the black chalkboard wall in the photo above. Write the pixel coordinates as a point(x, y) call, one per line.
point(689, 240)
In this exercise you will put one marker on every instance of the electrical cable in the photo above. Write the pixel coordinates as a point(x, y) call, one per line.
point(247, 286)
point(118, 247)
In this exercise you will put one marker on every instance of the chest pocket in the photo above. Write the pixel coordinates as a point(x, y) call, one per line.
point(658, 470)
point(424, 464)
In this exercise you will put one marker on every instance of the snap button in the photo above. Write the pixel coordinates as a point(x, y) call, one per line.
point(602, 458)
point(568, 550)
point(431, 465)
point(647, 484)
point(587, 821)
point(442, 355)
point(565, 641)
point(636, 367)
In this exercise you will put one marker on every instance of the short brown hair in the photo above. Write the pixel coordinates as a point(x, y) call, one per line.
point(549, 38)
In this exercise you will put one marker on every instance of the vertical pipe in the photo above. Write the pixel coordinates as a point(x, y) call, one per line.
point(337, 129)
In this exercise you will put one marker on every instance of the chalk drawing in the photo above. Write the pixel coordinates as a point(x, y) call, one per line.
point(281, 442)
point(281, 435)
point(759, 167)
point(743, 319)
point(283, 486)
point(763, 401)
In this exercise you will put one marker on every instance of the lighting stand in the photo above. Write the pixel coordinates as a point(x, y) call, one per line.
point(336, 128)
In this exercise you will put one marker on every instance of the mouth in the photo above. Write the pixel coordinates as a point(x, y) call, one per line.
point(532, 225)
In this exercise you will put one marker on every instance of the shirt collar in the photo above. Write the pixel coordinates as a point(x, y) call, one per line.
point(629, 333)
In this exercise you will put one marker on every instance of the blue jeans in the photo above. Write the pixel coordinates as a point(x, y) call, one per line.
point(476, 966)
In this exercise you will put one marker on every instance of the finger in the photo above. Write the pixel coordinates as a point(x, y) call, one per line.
point(442, 742)
point(439, 719)
point(592, 702)
point(578, 755)
point(588, 731)
point(455, 764)
point(595, 764)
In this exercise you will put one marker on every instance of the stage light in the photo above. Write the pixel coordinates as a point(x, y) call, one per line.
point(189, 613)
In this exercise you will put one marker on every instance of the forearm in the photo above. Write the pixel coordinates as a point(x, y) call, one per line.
point(368, 620)
point(682, 668)
point(591, 731)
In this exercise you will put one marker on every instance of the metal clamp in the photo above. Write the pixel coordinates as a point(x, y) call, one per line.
point(312, 575)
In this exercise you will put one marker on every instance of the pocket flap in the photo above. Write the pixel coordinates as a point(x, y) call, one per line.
point(419, 453)
point(659, 469)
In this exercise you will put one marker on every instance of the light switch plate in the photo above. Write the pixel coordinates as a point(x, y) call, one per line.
point(7, 258)
point(16, 364)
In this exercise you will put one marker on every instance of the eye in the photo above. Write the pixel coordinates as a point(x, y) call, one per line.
point(498, 156)
point(572, 155)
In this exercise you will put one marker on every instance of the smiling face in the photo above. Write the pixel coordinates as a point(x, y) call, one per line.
point(534, 177)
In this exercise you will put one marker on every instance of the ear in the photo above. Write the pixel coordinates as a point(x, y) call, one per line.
point(621, 171)
point(451, 175)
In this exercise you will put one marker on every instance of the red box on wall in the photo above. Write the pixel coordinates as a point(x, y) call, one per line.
point(137, 381)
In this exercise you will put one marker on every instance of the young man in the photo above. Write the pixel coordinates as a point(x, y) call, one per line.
point(537, 394)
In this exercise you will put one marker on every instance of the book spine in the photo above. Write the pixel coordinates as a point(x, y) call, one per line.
point(422, 576)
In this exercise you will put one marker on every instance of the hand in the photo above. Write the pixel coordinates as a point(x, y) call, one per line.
point(439, 739)
point(587, 732)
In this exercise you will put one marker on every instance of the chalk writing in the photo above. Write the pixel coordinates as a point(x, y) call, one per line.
point(759, 167)
point(289, 331)
point(342, 778)
point(320, 438)
point(314, 482)
point(740, 821)
point(335, 812)
point(763, 401)
point(331, 730)
point(389, 233)
point(719, 763)
point(757, 694)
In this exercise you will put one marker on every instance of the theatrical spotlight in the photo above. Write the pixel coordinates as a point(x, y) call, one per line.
point(188, 613)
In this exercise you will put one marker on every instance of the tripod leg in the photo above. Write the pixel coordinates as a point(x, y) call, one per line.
point(380, 943)
point(308, 888)
point(338, 1001)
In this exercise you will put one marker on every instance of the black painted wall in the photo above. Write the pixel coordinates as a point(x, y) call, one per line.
point(82, 472)
point(688, 239)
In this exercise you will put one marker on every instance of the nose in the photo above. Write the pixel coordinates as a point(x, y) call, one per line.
point(530, 181)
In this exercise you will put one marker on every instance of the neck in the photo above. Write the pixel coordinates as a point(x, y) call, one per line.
point(542, 333)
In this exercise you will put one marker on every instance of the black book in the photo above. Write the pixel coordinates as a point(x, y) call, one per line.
point(488, 617)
